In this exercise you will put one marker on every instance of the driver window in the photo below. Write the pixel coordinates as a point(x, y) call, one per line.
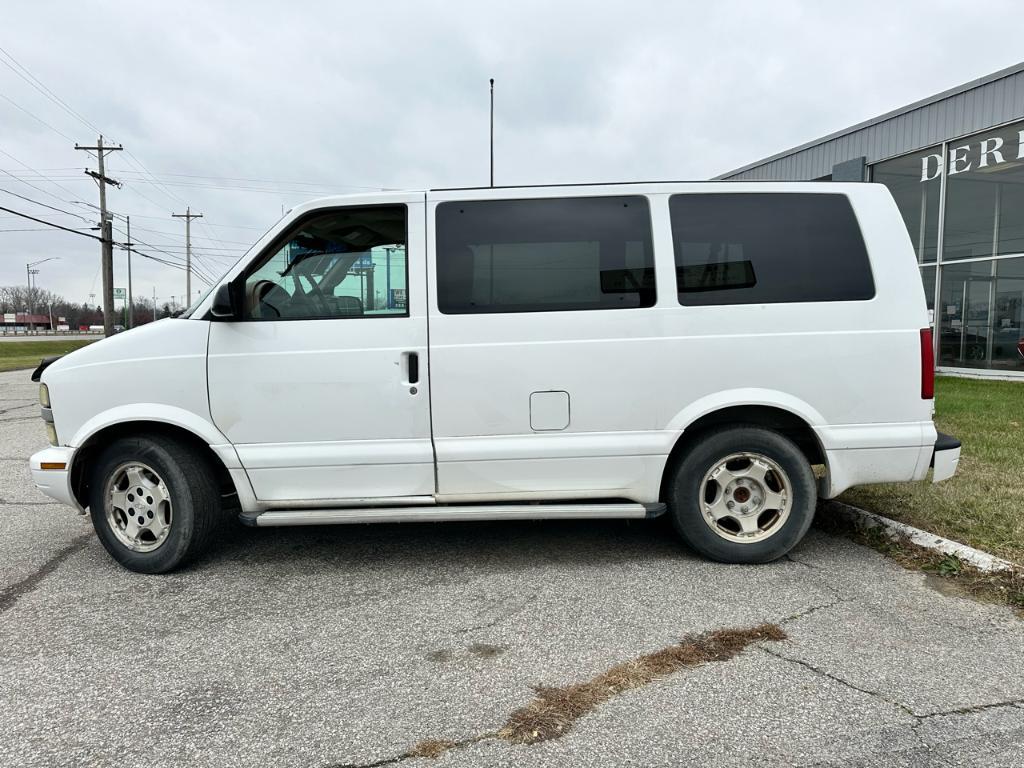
point(342, 262)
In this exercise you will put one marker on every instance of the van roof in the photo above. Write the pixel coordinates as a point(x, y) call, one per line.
point(615, 184)
point(636, 186)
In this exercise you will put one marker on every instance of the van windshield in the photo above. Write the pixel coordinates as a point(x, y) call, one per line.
point(192, 307)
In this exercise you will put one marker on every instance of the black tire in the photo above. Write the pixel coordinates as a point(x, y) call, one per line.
point(194, 499)
point(685, 494)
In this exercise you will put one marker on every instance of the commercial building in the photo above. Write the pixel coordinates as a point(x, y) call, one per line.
point(954, 162)
point(20, 322)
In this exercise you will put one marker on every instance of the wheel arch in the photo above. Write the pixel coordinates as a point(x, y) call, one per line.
point(774, 417)
point(87, 451)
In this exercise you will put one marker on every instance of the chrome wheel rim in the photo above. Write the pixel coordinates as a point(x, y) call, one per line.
point(745, 497)
point(138, 507)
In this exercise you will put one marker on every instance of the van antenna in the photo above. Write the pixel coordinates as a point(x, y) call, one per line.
point(492, 131)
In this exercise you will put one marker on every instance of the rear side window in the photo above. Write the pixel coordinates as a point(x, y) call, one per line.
point(762, 248)
point(544, 255)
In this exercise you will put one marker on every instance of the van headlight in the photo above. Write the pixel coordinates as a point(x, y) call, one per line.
point(47, 414)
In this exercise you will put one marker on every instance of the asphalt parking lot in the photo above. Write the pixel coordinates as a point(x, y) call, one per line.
point(350, 645)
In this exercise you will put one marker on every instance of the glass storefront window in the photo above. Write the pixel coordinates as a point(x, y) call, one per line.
point(928, 283)
point(981, 315)
point(915, 183)
point(985, 195)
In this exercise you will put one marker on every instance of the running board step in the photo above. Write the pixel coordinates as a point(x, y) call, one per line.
point(279, 517)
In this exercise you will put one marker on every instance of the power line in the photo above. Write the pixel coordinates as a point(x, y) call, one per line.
point(51, 224)
point(151, 246)
point(313, 190)
point(44, 205)
point(36, 118)
point(316, 184)
point(25, 74)
point(210, 248)
point(36, 83)
point(34, 186)
point(138, 164)
point(219, 226)
point(247, 243)
point(34, 229)
point(62, 168)
point(178, 264)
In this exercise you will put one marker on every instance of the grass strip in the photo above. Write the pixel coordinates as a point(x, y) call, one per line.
point(18, 355)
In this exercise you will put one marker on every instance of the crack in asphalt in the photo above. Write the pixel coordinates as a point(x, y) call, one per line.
point(553, 711)
point(815, 608)
point(972, 709)
point(819, 574)
point(431, 748)
point(501, 617)
point(13, 593)
point(15, 408)
point(918, 718)
point(836, 679)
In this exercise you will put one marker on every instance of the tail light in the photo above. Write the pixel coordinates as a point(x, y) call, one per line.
point(927, 365)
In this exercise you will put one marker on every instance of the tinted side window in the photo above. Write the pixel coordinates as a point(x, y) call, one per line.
point(544, 255)
point(341, 262)
point(764, 248)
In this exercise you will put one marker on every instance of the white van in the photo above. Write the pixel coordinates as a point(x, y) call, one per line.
point(724, 352)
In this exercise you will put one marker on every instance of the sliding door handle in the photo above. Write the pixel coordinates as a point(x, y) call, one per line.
point(413, 361)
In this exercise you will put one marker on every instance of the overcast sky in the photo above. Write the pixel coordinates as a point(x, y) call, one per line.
point(323, 97)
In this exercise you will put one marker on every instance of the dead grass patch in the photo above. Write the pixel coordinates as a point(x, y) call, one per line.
point(958, 577)
point(554, 710)
point(981, 505)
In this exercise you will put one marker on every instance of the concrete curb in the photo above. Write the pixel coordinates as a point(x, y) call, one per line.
point(864, 520)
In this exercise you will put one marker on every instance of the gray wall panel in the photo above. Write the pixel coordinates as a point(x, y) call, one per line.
point(973, 107)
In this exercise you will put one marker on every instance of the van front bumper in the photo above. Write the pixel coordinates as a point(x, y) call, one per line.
point(51, 472)
point(945, 457)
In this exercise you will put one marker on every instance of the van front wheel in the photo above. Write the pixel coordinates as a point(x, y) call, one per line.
point(742, 495)
point(153, 503)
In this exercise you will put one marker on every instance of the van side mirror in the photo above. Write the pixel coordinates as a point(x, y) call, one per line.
point(223, 307)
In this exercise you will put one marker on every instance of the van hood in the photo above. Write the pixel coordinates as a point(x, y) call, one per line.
point(163, 338)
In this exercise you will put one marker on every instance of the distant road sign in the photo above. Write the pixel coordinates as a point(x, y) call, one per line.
point(119, 293)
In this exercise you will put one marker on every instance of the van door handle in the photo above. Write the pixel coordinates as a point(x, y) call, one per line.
point(414, 367)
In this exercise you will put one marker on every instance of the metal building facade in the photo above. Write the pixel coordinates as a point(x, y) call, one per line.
point(988, 101)
point(954, 163)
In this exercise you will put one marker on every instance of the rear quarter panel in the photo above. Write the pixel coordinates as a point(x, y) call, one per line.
point(849, 362)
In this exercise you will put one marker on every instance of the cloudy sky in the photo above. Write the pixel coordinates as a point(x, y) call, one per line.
point(243, 109)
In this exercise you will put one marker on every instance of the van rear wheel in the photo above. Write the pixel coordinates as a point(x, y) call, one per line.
point(153, 503)
point(742, 495)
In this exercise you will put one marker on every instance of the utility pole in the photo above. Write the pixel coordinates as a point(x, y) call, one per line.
point(29, 272)
point(31, 298)
point(154, 303)
point(106, 230)
point(188, 216)
point(492, 131)
point(129, 320)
